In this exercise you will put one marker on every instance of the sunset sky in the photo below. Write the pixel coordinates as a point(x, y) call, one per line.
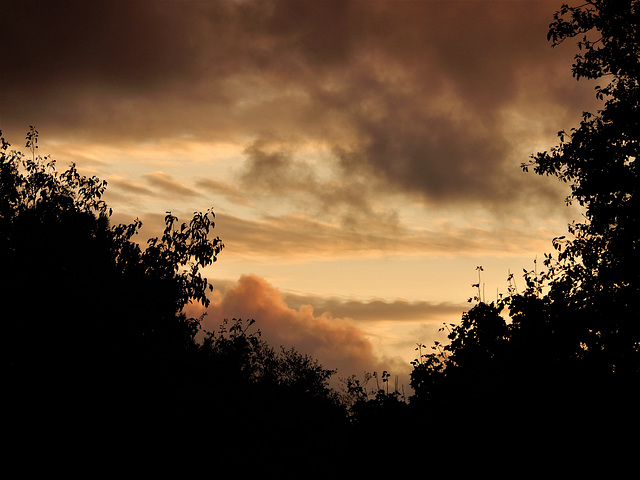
point(362, 157)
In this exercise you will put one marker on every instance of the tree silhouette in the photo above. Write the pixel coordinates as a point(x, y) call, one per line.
point(567, 360)
point(597, 267)
point(95, 342)
point(90, 321)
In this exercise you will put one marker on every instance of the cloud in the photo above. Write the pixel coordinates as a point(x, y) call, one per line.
point(301, 238)
point(129, 186)
point(232, 193)
point(168, 185)
point(354, 337)
point(275, 170)
point(379, 309)
point(336, 342)
point(406, 96)
point(416, 90)
point(307, 238)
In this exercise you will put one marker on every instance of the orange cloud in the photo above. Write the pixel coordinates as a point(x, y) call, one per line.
point(337, 343)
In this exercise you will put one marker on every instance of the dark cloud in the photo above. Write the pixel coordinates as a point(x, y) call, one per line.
point(130, 46)
point(282, 172)
point(275, 170)
point(376, 310)
point(407, 95)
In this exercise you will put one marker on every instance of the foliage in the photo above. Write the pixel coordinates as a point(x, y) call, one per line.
point(569, 345)
point(282, 393)
point(596, 274)
point(90, 321)
point(372, 405)
point(96, 342)
point(466, 368)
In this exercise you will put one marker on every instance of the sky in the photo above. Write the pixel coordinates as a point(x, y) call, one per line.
point(362, 157)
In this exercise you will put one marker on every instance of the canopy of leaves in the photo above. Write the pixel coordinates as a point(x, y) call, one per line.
point(569, 346)
point(597, 274)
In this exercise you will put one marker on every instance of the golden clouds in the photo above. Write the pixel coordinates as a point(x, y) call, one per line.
point(302, 237)
point(335, 342)
point(351, 336)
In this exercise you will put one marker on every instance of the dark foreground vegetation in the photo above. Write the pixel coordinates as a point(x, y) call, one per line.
point(98, 355)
